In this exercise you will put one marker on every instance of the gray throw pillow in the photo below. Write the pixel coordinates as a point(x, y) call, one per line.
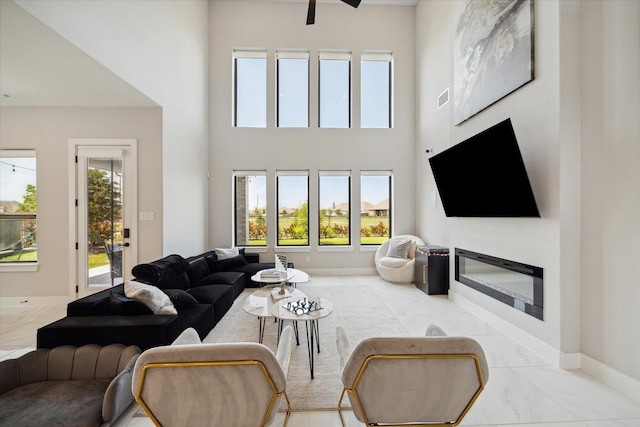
point(399, 248)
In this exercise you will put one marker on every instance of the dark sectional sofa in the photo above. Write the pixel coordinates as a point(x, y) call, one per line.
point(202, 289)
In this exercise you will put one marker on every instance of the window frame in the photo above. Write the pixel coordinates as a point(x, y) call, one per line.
point(378, 173)
point(377, 57)
point(293, 55)
point(21, 265)
point(249, 173)
point(334, 173)
point(336, 55)
point(291, 173)
point(248, 54)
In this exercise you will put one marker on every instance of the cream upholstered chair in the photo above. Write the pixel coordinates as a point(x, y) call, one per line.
point(229, 384)
point(431, 380)
point(397, 269)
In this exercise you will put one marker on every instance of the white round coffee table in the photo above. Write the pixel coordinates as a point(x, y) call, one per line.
point(294, 276)
point(280, 312)
point(259, 303)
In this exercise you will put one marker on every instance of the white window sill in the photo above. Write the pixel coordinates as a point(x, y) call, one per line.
point(332, 248)
point(292, 249)
point(18, 267)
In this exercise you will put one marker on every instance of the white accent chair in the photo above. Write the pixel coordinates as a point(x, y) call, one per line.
point(417, 381)
point(394, 269)
point(230, 384)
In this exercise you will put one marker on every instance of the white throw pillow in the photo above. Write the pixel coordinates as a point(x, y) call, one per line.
point(399, 248)
point(223, 253)
point(150, 296)
point(414, 248)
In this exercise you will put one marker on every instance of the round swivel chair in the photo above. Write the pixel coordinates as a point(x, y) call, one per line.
point(397, 270)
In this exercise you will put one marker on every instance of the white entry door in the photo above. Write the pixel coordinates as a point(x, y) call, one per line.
point(106, 212)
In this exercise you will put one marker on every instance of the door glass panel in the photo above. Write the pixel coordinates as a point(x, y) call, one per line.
point(104, 221)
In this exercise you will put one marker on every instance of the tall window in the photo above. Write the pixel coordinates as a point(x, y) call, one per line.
point(293, 89)
point(250, 208)
point(375, 90)
point(335, 89)
point(250, 89)
point(18, 206)
point(293, 208)
point(335, 208)
point(375, 207)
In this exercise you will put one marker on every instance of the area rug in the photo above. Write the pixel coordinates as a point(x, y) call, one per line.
point(358, 308)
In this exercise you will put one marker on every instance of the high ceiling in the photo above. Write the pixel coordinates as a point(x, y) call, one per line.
point(40, 68)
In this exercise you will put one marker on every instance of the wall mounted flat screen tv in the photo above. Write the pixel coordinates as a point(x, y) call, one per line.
point(484, 176)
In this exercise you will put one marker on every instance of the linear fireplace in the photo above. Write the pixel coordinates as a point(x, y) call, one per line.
point(513, 283)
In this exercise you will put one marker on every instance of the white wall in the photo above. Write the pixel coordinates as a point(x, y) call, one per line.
point(527, 240)
point(582, 157)
point(48, 130)
point(611, 184)
point(275, 26)
point(160, 48)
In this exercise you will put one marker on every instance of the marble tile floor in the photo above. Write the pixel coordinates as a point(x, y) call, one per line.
point(523, 390)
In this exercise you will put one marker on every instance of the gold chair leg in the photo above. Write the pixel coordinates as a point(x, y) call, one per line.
point(344, 390)
point(286, 417)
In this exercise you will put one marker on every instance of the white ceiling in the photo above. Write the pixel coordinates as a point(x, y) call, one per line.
point(40, 68)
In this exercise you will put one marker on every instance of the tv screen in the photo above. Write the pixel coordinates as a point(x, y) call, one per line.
point(484, 176)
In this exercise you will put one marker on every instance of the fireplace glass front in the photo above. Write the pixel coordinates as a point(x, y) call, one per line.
point(516, 284)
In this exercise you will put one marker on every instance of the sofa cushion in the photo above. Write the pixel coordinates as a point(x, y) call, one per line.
point(180, 298)
point(98, 304)
point(151, 296)
point(76, 403)
point(120, 304)
point(162, 269)
point(181, 281)
point(198, 268)
point(230, 263)
point(201, 317)
point(233, 278)
point(144, 331)
point(221, 296)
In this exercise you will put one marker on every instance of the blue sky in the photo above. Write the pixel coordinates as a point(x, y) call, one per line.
point(14, 183)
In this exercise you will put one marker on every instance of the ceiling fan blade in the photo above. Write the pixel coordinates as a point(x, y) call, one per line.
point(354, 3)
point(311, 13)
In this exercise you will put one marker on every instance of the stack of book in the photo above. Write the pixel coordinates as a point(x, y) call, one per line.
point(271, 273)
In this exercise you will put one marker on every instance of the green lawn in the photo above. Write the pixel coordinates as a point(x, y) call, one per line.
point(27, 255)
point(365, 221)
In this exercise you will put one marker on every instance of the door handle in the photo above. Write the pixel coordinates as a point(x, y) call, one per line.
point(126, 244)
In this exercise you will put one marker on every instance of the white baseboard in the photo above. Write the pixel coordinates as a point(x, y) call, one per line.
point(339, 271)
point(616, 379)
point(598, 370)
point(541, 348)
point(33, 301)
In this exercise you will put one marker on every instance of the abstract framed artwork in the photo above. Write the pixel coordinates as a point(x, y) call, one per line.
point(493, 53)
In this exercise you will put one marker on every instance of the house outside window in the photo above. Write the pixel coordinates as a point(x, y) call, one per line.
point(334, 214)
point(335, 89)
point(250, 208)
point(375, 206)
point(376, 89)
point(250, 89)
point(292, 208)
point(18, 206)
point(293, 89)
